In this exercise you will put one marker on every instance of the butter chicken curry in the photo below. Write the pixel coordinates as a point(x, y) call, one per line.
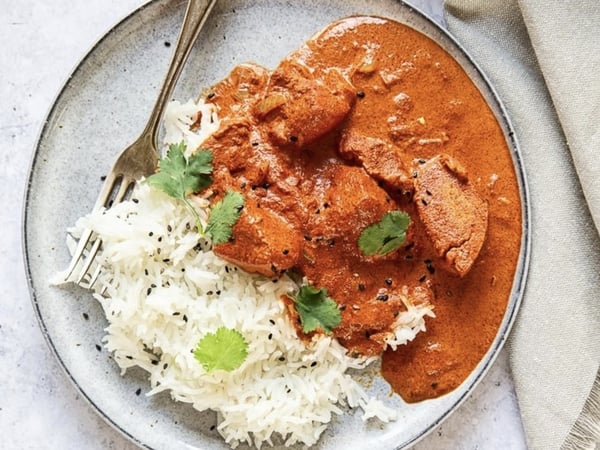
point(369, 117)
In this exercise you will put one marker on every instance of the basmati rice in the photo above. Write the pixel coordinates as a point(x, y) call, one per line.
point(162, 289)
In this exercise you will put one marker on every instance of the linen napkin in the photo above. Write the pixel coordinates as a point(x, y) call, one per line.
point(543, 57)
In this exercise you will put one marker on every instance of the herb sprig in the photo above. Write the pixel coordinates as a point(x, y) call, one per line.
point(386, 235)
point(316, 309)
point(225, 349)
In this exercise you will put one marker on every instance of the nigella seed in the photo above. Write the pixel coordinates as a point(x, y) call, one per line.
point(424, 202)
point(148, 291)
point(414, 174)
point(103, 178)
point(85, 316)
point(135, 200)
point(151, 234)
point(325, 205)
point(342, 307)
point(282, 358)
point(218, 292)
point(307, 237)
point(266, 185)
point(361, 287)
point(272, 321)
point(227, 269)
point(160, 239)
point(154, 362)
point(165, 366)
point(211, 95)
point(185, 318)
point(422, 278)
point(210, 293)
point(360, 94)
point(285, 251)
point(367, 334)
point(293, 138)
point(146, 272)
point(388, 281)
point(169, 228)
point(383, 297)
point(422, 161)
point(313, 364)
point(176, 313)
point(431, 269)
point(153, 285)
point(270, 336)
point(166, 260)
point(98, 347)
point(138, 391)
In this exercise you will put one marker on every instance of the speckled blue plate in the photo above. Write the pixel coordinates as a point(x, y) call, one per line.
point(100, 110)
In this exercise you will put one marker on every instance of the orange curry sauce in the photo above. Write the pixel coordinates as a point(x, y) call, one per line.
point(370, 116)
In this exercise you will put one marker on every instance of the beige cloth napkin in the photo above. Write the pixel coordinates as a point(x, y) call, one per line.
point(543, 57)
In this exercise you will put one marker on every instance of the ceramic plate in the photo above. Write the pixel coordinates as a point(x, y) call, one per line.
point(101, 109)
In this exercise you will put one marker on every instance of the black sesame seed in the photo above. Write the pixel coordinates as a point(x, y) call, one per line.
point(165, 366)
point(146, 272)
point(166, 260)
point(270, 336)
point(367, 334)
point(254, 144)
point(272, 321)
point(293, 138)
point(414, 174)
point(422, 161)
point(266, 185)
point(282, 358)
point(138, 391)
point(211, 95)
point(307, 237)
point(154, 362)
point(160, 239)
point(135, 200)
point(185, 318)
point(85, 316)
point(218, 292)
point(148, 291)
point(331, 242)
point(153, 285)
point(422, 278)
point(169, 228)
point(318, 211)
point(210, 293)
point(342, 307)
point(361, 287)
point(431, 269)
point(167, 44)
point(313, 364)
point(98, 347)
point(360, 94)
point(434, 385)
point(176, 313)
point(388, 281)
point(285, 251)
point(383, 297)
point(227, 269)
point(151, 234)
point(103, 178)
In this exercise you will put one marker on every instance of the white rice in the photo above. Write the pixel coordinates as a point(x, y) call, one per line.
point(163, 289)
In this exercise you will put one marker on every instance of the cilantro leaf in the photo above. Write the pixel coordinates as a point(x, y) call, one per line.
point(178, 176)
point(386, 235)
point(226, 349)
point(316, 310)
point(223, 216)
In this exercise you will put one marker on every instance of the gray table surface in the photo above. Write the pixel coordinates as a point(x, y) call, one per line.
point(41, 42)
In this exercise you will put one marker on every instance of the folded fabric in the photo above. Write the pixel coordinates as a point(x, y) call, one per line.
point(543, 58)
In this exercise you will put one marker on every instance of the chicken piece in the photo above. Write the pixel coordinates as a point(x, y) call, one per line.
point(453, 214)
point(299, 106)
point(263, 242)
point(379, 158)
point(239, 89)
point(346, 205)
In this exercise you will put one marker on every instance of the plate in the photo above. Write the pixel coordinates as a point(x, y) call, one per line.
point(102, 108)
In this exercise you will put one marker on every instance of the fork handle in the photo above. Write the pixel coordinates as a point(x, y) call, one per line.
point(195, 15)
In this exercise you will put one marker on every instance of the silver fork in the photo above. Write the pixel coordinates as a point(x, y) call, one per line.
point(141, 157)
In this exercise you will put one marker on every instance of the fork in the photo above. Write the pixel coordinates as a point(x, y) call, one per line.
point(140, 159)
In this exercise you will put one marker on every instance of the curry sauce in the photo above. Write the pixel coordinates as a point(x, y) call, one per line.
point(369, 117)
